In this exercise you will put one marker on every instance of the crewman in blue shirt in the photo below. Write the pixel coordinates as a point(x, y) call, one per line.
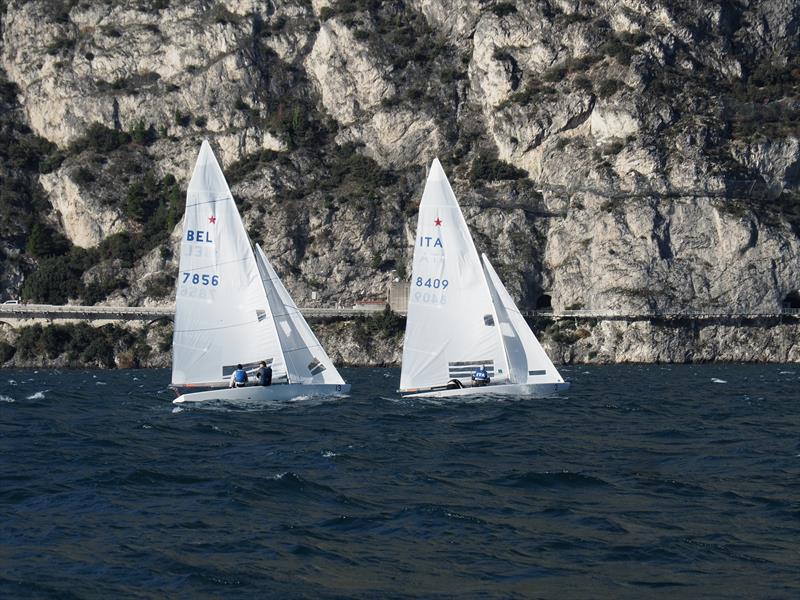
point(480, 377)
point(238, 377)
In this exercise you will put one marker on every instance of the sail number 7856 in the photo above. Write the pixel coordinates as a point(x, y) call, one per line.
point(431, 283)
point(200, 279)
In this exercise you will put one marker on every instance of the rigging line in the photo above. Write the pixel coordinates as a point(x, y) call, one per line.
point(301, 348)
point(212, 201)
point(219, 264)
point(249, 324)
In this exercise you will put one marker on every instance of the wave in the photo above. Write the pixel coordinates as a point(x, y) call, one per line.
point(547, 479)
point(38, 395)
point(291, 485)
point(6, 398)
point(146, 477)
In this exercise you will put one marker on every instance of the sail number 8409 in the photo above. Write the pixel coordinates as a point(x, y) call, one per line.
point(431, 283)
point(200, 279)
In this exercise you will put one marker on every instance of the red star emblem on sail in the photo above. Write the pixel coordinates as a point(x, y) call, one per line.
point(437, 222)
point(212, 219)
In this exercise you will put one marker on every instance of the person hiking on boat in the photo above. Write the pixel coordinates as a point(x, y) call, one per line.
point(264, 374)
point(480, 377)
point(238, 377)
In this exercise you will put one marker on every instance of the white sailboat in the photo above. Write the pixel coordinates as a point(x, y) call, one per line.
point(232, 309)
point(461, 317)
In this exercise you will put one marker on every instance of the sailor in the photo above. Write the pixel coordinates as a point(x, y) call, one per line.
point(238, 377)
point(480, 377)
point(264, 374)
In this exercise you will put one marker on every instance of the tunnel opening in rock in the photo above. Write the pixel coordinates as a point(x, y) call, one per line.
point(544, 302)
point(792, 300)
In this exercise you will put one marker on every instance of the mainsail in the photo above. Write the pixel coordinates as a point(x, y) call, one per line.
point(306, 360)
point(451, 326)
point(222, 315)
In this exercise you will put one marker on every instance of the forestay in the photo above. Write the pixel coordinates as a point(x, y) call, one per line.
point(533, 365)
point(306, 360)
point(451, 324)
point(222, 316)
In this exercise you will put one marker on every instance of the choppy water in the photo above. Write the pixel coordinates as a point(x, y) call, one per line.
point(645, 481)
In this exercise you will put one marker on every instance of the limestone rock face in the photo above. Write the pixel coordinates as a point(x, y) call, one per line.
point(651, 257)
point(350, 82)
point(455, 18)
point(118, 65)
point(84, 220)
point(632, 156)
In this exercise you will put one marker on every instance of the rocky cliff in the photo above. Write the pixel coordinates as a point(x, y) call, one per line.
point(631, 155)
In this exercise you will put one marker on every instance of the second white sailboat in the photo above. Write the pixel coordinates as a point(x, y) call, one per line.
point(461, 317)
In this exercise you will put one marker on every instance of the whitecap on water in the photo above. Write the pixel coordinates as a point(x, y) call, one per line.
point(37, 395)
point(715, 380)
point(177, 409)
point(100, 383)
point(6, 398)
point(328, 454)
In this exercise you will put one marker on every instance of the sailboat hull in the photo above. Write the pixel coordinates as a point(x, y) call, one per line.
point(272, 393)
point(519, 390)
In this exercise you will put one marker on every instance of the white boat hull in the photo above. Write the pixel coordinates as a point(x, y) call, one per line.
point(271, 393)
point(525, 390)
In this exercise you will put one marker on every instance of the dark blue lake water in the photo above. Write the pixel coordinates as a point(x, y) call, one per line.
point(645, 481)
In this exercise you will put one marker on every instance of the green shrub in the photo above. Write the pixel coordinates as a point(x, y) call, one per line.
point(608, 87)
point(98, 290)
point(160, 286)
point(182, 119)
point(56, 280)
point(487, 168)
point(44, 241)
point(29, 342)
point(82, 176)
point(386, 325)
point(121, 246)
point(7, 352)
point(61, 44)
point(100, 138)
point(157, 204)
point(143, 135)
point(502, 9)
